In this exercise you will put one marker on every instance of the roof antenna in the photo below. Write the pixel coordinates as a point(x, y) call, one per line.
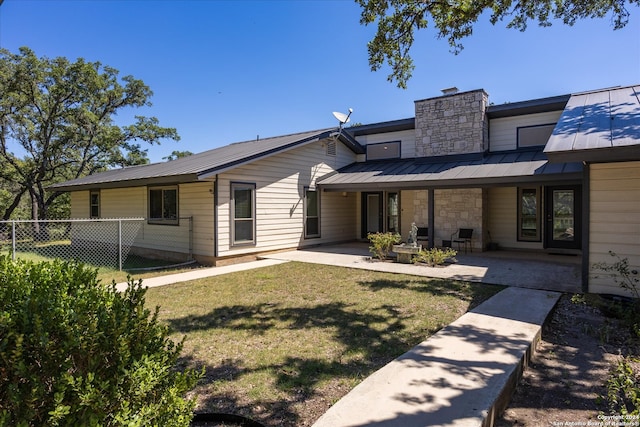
point(342, 118)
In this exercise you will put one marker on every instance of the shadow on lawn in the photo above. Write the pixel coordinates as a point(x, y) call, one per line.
point(369, 340)
point(474, 293)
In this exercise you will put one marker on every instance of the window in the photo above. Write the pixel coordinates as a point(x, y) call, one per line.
point(94, 204)
point(393, 218)
point(163, 205)
point(385, 150)
point(529, 214)
point(311, 213)
point(534, 136)
point(243, 214)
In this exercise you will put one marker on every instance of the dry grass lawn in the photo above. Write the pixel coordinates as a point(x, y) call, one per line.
point(281, 344)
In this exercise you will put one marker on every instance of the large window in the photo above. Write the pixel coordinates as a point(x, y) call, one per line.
point(94, 204)
point(163, 205)
point(311, 213)
point(393, 213)
point(243, 214)
point(529, 214)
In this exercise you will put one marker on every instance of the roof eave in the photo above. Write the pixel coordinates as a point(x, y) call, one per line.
point(596, 155)
point(162, 180)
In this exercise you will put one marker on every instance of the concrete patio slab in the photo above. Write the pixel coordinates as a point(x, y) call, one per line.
point(556, 274)
point(463, 376)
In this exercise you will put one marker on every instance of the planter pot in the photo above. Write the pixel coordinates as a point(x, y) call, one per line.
point(210, 419)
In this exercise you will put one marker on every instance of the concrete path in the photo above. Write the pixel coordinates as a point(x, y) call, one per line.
point(462, 376)
point(201, 273)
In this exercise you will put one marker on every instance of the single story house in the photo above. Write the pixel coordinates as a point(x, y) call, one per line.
point(558, 174)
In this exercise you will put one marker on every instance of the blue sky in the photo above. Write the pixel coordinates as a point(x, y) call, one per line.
point(229, 71)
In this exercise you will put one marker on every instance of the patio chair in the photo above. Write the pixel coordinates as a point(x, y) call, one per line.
point(463, 237)
point(423, 234)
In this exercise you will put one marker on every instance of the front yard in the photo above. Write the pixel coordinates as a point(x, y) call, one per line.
point(282, 344)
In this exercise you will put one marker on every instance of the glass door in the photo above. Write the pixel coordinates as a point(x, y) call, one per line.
point(563, 217)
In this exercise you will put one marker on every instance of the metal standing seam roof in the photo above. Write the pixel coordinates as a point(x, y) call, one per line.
point(600, 125)
point(201, 165)
point(489, 169)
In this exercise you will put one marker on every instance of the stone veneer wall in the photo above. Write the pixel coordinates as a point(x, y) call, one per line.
point(454, 209)
point(459, 208)
point(452, 124)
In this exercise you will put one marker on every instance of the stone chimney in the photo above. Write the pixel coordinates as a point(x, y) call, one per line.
point(454, 123)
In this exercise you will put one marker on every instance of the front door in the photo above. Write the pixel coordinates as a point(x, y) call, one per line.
point(563, 218)
point(372, 204)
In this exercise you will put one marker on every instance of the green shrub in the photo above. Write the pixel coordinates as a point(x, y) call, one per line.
point(623, 389)
point(435, 256)
point(75, 352)
point(382, 243)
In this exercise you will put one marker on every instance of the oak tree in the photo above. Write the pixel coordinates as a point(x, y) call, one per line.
point(398, 20)
point(57, 123)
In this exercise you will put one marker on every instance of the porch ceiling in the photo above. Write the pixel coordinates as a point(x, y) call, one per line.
point(496, 169)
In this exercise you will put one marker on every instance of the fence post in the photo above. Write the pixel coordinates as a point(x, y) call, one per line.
point(119, 245)
point(13, 240)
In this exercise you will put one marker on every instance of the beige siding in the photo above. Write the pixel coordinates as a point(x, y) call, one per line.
point(80, 204)
point(407, 140)
point(503, 219)
point(503, 131)
point(195, 200)
point(280, 182)
point(614, 223)
point(123, 203)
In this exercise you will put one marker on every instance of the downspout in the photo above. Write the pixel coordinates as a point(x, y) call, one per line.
point(586, 190)
point(215, 218)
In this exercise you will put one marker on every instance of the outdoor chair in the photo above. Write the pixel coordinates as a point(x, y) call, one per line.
point(463, 237)
point(423, 234)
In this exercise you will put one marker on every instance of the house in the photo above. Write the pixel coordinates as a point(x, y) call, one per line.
point(558, 174)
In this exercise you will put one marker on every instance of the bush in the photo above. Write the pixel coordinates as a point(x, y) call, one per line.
point(623, 389)
point(76, 352)
point(382, 243)
point(433, 257)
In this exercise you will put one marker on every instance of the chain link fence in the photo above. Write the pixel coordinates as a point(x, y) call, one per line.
point(126, 243)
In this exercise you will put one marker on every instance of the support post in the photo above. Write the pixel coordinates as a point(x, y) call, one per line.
point(432, 216)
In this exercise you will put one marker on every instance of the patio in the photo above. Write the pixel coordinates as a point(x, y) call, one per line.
point(533, 270)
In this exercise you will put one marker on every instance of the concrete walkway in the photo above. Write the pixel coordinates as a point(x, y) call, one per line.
point(462, 376)
point(200, 273)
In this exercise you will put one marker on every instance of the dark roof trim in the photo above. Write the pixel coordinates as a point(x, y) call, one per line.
point(533, 106)
point(383, 127)
point(597, 155)
point(509, 181)
point(162, 180)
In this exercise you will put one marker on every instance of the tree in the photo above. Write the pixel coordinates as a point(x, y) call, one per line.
point(175, 154)
point(56, 124)
point(454, 19)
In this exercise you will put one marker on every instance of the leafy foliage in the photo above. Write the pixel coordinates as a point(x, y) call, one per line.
point(382, 243)
point(623, 389)
point(434, 256)
point(57, 116)
point(623, 276)
point(76, 352)
point(398, 20)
